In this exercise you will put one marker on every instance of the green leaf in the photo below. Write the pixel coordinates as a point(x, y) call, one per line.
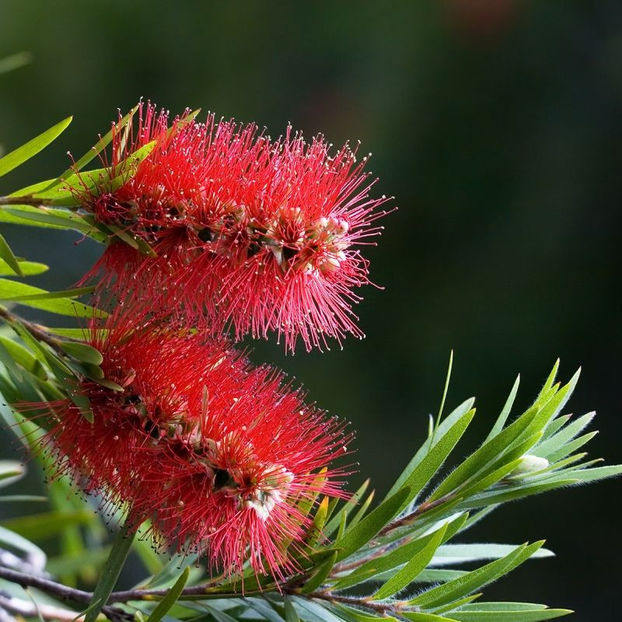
point(10, 471)
point(457, 604)
point(464, 553)
point(20, 498)
point(84, 404)
point(425, 617)
point(438, 575)
point(112, 569)
point(44, 295)
point(363, 509)
point(320, 574)
point(475, 579)
point(347, 507)
point(218, 615)
point(65, 194)
point(134, 242)
point(584, 476)
point(408, 573)
point(565, 435)
point(315, 531)
point(350, 614)
point(445, 425)
point(429, 466)
point(6, 254)
point(54, 302)
point(555, 425)
point(50, 218)
point(94, 151)
point(20, 155)
point(571, 447)
point(511, 493)
point(165, 605)
point(264, 608)
point(505, 412)
point(291, 615)
point(490, 451)
point(317, 611)
point(498, 468)
point(18, 354)
point(82, 352)
point(477, 614)
point(366, 529)
point(28, 268)
point(396, 556)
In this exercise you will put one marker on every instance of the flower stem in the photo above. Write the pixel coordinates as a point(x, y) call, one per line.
point(111, 571)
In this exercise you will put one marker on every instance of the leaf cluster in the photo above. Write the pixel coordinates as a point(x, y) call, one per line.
point(403, 558)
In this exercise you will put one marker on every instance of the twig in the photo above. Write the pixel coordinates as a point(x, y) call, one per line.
point(35, 330)
point(55, 589)
point(30, 610)
point(409, 519)
point(25, 200)
point(46, 585)
point(80, 596)
point(365, 603)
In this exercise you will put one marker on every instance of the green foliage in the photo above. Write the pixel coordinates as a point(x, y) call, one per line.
point(384, 551)
point(406, 554)
point(30, 149)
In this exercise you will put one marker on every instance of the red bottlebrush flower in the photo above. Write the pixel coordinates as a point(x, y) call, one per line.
point(217, 453)
point(255, 234)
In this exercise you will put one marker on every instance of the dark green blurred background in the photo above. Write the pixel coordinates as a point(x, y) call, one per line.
point(497, 126)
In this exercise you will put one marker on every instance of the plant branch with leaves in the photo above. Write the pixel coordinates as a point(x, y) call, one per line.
point(221, 480)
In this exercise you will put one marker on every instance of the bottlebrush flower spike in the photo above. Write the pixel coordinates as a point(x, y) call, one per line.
point(251, 233)
point(217, 453)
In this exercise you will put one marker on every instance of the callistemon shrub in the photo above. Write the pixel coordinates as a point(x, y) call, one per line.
point(220, 455)
point(246, 232)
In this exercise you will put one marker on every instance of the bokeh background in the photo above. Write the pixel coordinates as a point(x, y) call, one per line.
point(497, 124)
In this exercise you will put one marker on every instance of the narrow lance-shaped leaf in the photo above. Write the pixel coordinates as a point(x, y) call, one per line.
point(506, 614)
point(416, 616)
point(562, 437)
point(320, 574)
point(416, 564)
point(291, 615)
point(7, 255)
point(28, 268)
point(490, 450)
point(54, 302)
point(440, 432)
point(49, 218)
point(17, 353)
point(20, 155)
point(166, 604)
point(347, 507)
point(476, 579)
point(10, 471)
point(435, 458)
point(366, 529)
point(570, 448)
point(396, 556)
point(93, 152)
point(505, 411)
point(464, 553)
point(82, 352)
